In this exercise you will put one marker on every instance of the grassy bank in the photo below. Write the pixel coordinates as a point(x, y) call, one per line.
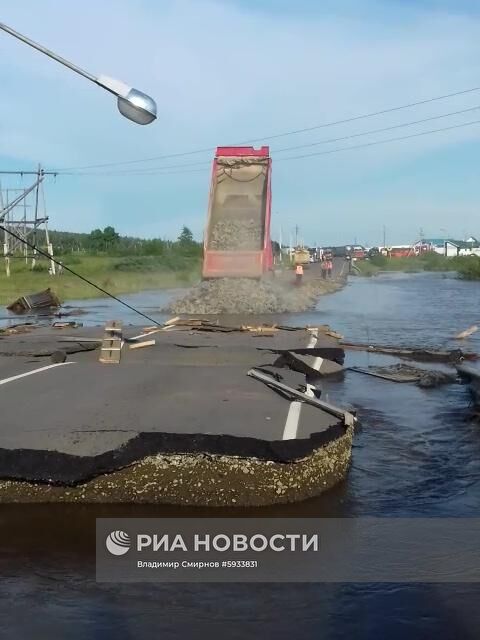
point(467, 267)
point(115, 274)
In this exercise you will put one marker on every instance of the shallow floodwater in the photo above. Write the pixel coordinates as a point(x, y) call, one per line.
point(417, 453)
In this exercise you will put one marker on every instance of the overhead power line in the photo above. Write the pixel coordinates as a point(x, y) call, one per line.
point(307, 155)
point(382, 130)
point(160, 169)
point(78, 275)
point(280, 135)
point(377, 142)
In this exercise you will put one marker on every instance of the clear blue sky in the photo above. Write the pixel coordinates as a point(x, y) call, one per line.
point(224, 71)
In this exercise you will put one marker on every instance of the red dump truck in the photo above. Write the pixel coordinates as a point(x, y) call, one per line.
point(237, 237)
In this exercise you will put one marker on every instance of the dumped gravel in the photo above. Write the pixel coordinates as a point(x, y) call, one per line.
point(242, 295)
point(240, 235)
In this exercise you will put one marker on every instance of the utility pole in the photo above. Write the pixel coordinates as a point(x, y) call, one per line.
point(280, 243)
point(296, 235)
point(36, 218)
point(17, 229)
point(384, 236)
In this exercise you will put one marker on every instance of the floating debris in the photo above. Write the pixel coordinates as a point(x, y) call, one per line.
point(422, 355)
point(46, 299)
point(425, 378)
point(467, 333)
point(72, 324)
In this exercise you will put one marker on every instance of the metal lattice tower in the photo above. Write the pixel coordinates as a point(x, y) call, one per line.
point(23, 212)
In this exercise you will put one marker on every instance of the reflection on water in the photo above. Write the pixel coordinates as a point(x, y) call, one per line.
point(415, 454)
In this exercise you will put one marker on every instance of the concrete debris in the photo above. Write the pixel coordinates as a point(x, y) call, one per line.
point(421, 355)
point(307, 364)
point(73, 312)
point(425, 378)
point(58, 356)
point(67, 325)
point(243, 295)
point(17, 328)
point(334, 334)
point(236, 235)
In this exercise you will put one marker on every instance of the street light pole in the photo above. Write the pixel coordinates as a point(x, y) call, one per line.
point(133, 104)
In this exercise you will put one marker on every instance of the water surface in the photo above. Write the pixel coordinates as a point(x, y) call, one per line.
point(417, 453)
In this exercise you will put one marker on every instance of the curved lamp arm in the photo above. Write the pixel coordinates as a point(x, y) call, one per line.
point(132, 103)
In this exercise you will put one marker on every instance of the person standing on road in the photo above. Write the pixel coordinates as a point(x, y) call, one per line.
point(298, 274)
point(329, 267)
point(324, 267)
point(348, 261)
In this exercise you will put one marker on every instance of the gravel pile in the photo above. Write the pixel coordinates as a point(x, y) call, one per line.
point(246, 296)
point(241, 235)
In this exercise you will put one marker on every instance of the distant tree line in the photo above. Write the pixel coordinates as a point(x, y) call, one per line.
point(109, 242)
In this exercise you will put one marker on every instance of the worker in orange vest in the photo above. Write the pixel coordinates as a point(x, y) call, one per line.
point(298, 274)
point(329, 268)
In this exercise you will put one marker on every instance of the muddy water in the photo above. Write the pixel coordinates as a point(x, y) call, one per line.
point(416, 453)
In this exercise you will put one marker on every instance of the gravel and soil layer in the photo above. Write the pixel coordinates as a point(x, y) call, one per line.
point(243, 295)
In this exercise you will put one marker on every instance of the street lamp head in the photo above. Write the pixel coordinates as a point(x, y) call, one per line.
point(138, 107)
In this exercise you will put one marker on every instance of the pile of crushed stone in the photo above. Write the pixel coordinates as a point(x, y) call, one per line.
point(246, 296)
point(236, 235)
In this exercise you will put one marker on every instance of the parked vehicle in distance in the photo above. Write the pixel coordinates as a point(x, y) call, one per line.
point(301, 255)
point(404, 251)
point(358, 253)
point(339, 252)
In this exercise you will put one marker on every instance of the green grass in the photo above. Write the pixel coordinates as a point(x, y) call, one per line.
point(467, 267)
point(116, 275)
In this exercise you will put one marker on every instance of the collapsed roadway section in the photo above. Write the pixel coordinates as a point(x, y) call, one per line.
point(207, 415)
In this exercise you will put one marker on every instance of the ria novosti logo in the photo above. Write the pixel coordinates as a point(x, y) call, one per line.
point(118, 543)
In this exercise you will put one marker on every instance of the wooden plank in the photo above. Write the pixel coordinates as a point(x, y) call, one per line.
point(171, 321)
point(112, 343)
point(267, 329)
point(140, 345)
point(113, 325)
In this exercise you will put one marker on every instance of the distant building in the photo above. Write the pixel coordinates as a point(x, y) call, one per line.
point(454, 248)
point(430, 244)
point(448, 246)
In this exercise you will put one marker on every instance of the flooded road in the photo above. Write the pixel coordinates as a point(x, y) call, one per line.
point(416, 453)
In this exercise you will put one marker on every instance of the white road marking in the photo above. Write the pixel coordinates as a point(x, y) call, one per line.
point(293, 417)
point(30, 373)
point(291, 423)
